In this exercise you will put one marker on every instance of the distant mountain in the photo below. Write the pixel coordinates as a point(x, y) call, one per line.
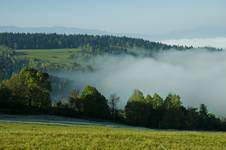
point(206, 32)
point(55, 29)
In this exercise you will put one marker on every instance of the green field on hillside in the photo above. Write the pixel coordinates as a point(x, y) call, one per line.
point(54, 59)
point(60, 56)
point(87, 137)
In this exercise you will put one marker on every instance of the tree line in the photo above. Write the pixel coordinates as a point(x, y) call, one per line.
point(92, 43)
point(28, 92)
point(156, 112)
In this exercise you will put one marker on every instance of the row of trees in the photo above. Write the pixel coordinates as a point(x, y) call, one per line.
point(90, 103)
point(93, 43)
point(154, 112)
point(30, 88)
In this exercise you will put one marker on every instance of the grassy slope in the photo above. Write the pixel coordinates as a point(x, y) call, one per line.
point(44, 136)
point(60, 56)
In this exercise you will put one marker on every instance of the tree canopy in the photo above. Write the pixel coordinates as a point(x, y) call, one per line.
point(94, 103)
point(30, 87)
point(89, 43)
point(7, 61)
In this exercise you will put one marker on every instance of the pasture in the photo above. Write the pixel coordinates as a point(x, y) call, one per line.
point(19, 135)
point(59, 56)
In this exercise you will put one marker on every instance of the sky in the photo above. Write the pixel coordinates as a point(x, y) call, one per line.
point(121, 16)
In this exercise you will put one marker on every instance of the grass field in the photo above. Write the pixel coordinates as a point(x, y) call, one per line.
point(51, 55)
point(90, 137)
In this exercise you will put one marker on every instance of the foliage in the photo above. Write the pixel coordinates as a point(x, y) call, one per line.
point(172, 113)
point(155, 103)
point(113, 105)
point(153, 112)
point(137, 110)
point(203, 109)
point(90, 43)
point(7, 61)
point(75, 101)
point(5, 95)
point(90, 103)
point(94, 103)
point(30, 87)
point(136, 96)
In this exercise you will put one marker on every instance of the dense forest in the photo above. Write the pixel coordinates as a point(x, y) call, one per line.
point(94, 43)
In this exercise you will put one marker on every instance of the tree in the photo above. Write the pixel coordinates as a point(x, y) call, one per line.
point(5, 96)
point(136, 109)
point(172, 112)
point(31, 87)
point(203, 110)
point(7, 61)
point(191, 119)
point(156, 101)
point(155, 110)
point(172, 102)
point(75, 101)
point(136, 96)
point(94, 103)
point(203, 117)
point(113, 102)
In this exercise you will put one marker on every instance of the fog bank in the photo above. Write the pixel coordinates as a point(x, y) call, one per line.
point(218, 42)
point(198, 76)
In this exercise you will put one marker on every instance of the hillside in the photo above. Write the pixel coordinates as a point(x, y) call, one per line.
point(54, 52)
point(91, 43)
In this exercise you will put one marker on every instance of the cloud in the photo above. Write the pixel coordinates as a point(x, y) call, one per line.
point(198, 76)
point(218, 42)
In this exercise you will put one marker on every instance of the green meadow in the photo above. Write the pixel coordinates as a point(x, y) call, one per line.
point(17, 136)
point(59, 56)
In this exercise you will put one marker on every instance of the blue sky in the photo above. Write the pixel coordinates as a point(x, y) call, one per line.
point(131, 16)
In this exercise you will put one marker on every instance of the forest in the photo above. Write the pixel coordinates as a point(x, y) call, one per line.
point(91, 43)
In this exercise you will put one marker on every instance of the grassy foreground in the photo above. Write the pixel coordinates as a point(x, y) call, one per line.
point(86, 137)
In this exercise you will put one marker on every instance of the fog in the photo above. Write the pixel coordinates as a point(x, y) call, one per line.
point(218, 42)
point(198, 76)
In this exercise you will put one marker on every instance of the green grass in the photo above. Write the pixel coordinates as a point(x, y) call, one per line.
point(86, 137)
point(59, 56)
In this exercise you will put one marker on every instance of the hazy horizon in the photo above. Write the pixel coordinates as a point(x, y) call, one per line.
point(141, 17)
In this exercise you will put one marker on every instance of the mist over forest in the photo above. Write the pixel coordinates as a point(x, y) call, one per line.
point(197, 75)
point(122, 79)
